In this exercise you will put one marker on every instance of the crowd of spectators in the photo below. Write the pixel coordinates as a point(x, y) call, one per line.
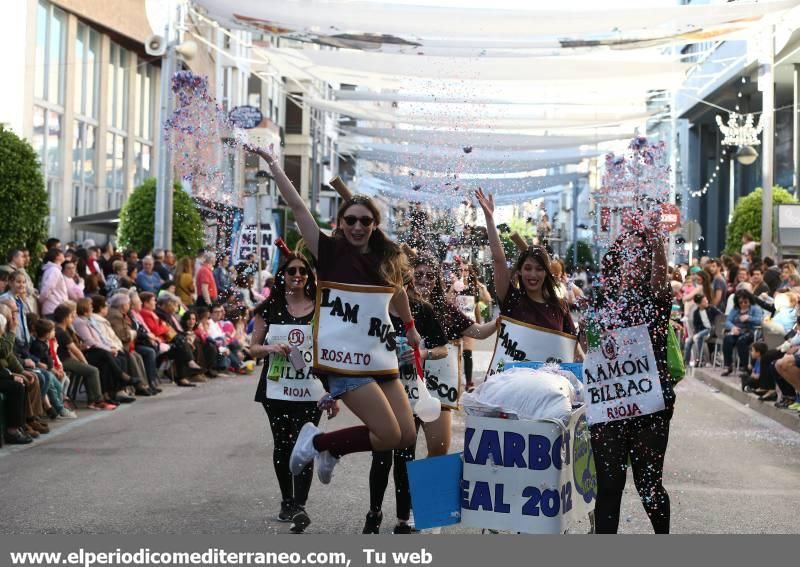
point(741, 312)
point(110, 327)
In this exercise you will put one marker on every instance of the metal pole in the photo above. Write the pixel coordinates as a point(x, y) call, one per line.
point(796, 128)
point(767, 83)
point(258, 240)
point(575, 224)
point(162, 237)
point(732, 188)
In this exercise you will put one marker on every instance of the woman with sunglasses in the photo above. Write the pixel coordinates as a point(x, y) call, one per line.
point(358, 254)
point(527, 294)
point(467, 292)
point(290, 305)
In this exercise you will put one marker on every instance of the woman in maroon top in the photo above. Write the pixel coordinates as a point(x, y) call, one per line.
point(358, 253)
point(533, 300)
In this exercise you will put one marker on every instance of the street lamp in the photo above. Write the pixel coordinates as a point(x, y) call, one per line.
point(746, 155)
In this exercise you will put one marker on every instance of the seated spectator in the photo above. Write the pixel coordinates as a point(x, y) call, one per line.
point(225, 340)
point(75, 284)
point(133, 273)
point(73, 359)
point(740, 324)
point(148, 279)
point(703, 318)
point(131, 359)
point(44, 332)
point(117, 278)
point(757, 280)
point(730, 304)
point(205, 348)
point(53, 288)
point(91, 285)
point(757, 351)
point(159, 267)
point(4, 281)
point(34, 410)
point(179, 351)
point(788, 369)
point(99, 353)
point(127, 333)
point(13, 389)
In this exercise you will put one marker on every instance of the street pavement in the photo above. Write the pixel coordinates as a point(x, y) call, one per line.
point(199, 460)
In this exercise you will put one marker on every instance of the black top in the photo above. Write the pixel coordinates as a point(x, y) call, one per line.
point(276, 313)
point(64, 339)
point(427, 326)
point(340, 262)
point(518, 305)
point(41, 351)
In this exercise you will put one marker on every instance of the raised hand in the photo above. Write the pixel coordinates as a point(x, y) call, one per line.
point(268, 155)
point(486, 202)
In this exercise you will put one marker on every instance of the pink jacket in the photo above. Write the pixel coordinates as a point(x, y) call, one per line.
point(53, 289)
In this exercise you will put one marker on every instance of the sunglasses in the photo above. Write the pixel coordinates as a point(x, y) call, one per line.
point(430, 276)
point(294, 270)
point(365, 221)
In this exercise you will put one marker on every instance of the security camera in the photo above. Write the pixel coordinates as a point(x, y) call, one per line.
point(155, 45)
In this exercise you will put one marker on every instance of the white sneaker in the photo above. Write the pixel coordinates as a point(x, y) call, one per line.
point(304, 451)
point(325, 463)
point(67, 414)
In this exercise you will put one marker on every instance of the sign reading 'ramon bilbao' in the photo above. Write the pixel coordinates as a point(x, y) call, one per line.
point(283, 381)
point(354, 335)
point(621, 377)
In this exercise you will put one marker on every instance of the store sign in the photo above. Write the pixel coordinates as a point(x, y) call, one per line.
point(246, 117)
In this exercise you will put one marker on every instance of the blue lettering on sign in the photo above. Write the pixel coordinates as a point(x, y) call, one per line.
point(481, 498)
point(511, 451)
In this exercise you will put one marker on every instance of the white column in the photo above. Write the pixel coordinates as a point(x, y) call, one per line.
point(767, 86)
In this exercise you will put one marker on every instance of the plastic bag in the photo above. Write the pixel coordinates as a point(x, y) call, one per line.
point(675, 365)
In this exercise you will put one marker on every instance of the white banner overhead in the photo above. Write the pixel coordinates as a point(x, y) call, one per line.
point(434, 163)
point(495, 185)
point(412, 23)
point(461, 139)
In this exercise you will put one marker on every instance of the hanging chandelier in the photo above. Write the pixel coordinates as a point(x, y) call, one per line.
point(740, 130)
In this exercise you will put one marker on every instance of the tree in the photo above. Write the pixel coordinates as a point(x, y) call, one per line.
point(23, 219)
point(747, 217)
point(584, 256)
point(137, 221)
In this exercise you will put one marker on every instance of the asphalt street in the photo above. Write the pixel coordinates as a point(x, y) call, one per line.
point(196, 461)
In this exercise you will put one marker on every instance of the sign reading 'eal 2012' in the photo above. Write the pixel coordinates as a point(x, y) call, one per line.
point(527, 476)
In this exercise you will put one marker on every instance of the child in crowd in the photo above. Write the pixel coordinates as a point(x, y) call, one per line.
point(757, 350)
point(44, 349)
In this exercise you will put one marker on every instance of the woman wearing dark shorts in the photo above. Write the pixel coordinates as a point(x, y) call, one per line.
point(633, 292)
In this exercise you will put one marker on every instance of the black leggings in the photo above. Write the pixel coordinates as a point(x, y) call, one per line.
point(468, 366)
point(643, 439)
point(379, 478)
point(286, 419)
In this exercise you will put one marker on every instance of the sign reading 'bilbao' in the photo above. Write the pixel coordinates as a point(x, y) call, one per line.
point(621, 377)
point(517, 342)
point(442, 377)
point(354, 335)
point(527, 476)
point(283, 381)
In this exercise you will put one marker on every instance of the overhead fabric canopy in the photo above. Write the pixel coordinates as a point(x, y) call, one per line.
point(495, 185)
point(461, 138)
point(656, 72)
point(391, 26)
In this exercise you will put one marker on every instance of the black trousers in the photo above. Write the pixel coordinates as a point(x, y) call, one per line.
point(14, 403)
point(286, 419)
point(382, 462)
point(110, 367)
point(467, 357)
point(644, 440)
point(742, 343)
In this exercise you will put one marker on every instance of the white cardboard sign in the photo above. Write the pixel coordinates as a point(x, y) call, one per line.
point(442, 377)
point(527, 476)
point(621, 377)
point(283, 381)
point(354, 335)
point(519, 342)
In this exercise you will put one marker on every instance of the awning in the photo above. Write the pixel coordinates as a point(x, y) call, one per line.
point(106, 222)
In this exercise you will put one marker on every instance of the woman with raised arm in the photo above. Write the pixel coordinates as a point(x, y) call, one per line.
point(535, 324)
point(633, 292)
point(360, 275)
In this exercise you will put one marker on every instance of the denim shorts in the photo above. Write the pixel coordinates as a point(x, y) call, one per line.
point(340, 385)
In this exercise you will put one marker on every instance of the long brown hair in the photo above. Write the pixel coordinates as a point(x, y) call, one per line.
point(394, 263)
point(276, 302)
point(539, 255)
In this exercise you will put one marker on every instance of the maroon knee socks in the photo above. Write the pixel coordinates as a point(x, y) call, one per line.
point(344, 441)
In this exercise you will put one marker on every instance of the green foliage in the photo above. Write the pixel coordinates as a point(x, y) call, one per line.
point(292, 235)
point(584, 255)
point(747, 217)
point(23, 218)
point(137, 221)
